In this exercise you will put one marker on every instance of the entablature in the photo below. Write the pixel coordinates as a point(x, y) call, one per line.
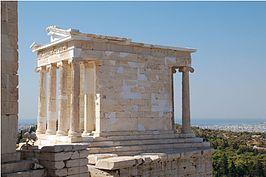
point(71, 44)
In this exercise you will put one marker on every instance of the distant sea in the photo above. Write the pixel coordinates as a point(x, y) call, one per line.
point(195, 122)
point(22, 122)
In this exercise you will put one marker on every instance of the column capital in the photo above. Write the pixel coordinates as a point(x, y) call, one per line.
point(49, 66)
point(88, 63)
point(72, 61)
point(61, 63)
point(85, 64)
point(40, 69)
point(185, 69)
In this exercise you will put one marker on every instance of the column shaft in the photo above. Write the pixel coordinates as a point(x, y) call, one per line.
point(41, 125)
point(186, 127)
point(51, 123)
point(74, 117)
point(81, 98)
point(89, 109)
point(62, 116)
point(69, 102)
point(185, 103)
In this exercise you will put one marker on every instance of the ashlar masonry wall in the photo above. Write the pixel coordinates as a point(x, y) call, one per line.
point(9, 79)
point(61, 160)
point(135, 92)
point(183, 164)
point(134, 86)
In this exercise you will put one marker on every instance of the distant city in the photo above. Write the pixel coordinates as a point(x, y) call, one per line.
point(235, 125)
point(258, 127)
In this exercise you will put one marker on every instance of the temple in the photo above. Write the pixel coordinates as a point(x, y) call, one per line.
point(108, 85)
point(116, 97)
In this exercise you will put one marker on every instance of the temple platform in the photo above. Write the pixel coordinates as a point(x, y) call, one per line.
point(130, 143)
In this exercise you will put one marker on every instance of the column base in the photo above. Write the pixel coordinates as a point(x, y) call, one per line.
point(38, 131)
point(73, 133)
point(50, 132)
point(61, 133)
point(74, 137)
point(85, 133)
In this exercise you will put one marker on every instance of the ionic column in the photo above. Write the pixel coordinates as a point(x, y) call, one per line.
point(89, 111)
point(186, 129)
point(62, 114)
point(69, 88)
point(74, 131)
point(41, 125)
point(81, 98)
point(173, 71)
point(51, 122)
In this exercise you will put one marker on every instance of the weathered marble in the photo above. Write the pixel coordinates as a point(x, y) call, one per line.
point(74, 131)
point(117, 84)
point(42, 110)
point(186, 127)
point(62, 115)
point(52, 116)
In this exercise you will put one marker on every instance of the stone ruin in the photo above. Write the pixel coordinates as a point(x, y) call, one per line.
point(106, 108)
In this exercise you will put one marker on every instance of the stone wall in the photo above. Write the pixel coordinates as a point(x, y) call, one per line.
point(192, 163)
point(133, 84)
point(134, 90)
point(9, 79)
point(61, 160)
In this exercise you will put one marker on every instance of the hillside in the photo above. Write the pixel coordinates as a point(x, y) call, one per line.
point(236, 153)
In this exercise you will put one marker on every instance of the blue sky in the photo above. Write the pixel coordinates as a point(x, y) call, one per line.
point(229, 81)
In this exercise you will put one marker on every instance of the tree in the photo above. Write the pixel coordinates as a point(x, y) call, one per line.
point(259, 169)
point(232, 169)
point(32, 129)
point(224, 165)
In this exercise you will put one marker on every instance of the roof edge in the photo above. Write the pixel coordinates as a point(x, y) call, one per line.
point(59, 35)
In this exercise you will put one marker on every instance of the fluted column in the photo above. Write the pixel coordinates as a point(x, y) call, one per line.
point(69, 88)
point(52, 116)
point(89, 92)
point(62, 114)
point(74, 131)
point(173, 71)
point(41, 124)
point(81, 98)
point(186, 127)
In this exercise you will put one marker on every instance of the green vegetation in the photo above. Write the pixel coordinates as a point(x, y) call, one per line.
point(239, 154)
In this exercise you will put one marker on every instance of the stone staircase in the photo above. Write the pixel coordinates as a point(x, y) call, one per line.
point(136, 144)
point(21, 168)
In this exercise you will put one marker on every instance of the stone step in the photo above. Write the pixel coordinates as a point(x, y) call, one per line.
point(26, 173)
point(132, 133)
point(16, 166)
point(144, 142)
point(165, 150)
point(137, 137)
point(144, 148)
